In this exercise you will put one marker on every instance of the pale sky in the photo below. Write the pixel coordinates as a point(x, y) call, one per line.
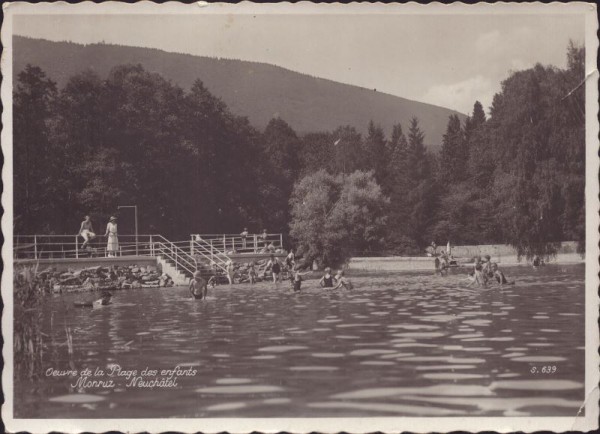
point(446, 60)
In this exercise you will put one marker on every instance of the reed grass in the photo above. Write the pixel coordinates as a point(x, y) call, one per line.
point(28, 336)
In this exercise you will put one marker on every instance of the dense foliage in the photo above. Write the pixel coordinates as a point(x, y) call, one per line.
point(334, 216)
point(516, 176)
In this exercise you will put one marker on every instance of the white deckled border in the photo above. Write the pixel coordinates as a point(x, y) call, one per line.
point(326, 425)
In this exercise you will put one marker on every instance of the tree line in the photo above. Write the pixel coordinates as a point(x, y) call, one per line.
point(516, 176)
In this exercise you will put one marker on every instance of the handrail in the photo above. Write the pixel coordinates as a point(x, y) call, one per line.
point(200, 246)
point(180, 256)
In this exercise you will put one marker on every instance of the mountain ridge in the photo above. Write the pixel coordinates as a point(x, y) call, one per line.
point(257, 90)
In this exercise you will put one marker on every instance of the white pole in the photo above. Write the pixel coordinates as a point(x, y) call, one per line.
point(136, 232)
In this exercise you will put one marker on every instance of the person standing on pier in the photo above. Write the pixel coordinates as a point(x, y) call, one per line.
point(86, 231)
point(244, 236)
point(263, 238)
point(113, 241)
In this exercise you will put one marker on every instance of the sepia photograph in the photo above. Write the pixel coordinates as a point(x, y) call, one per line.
point(300, 217)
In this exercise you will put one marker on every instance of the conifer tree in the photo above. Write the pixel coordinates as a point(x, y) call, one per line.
point(376, 151)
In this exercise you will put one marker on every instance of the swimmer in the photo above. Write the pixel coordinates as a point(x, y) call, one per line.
point(537, 261)
point(327, 280)
point(342, 281)
point(477, 276)
point(499, 275)
point(198, 286)
point(104, 300)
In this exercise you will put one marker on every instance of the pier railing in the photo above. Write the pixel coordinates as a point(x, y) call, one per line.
point(70, 246)
point(237, 243)
point(185, 255)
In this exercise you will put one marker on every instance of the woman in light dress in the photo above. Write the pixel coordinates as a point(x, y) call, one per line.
point(112, 245)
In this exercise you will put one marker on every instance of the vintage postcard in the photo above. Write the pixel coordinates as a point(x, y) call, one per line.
point(300, 217)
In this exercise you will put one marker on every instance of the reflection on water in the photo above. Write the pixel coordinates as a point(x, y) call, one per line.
point(398, 344)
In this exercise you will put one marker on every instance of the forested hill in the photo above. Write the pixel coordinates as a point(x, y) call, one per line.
point(256, 90)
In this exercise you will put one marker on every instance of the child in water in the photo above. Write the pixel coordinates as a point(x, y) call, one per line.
point(212, 282)
point(499, 275)
point(487, 267)
point(297, 279)
point(230, 272)
point(327, 280)
point(342, 281)
point(198, 286)
point(537, 261)
point(252, 273)
point(477, 276)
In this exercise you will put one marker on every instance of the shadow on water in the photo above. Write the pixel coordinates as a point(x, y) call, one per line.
point(413, 344)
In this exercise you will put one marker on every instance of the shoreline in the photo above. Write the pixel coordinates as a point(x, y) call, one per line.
point(427, 263)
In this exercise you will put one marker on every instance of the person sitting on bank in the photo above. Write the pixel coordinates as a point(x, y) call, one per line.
point(86, 231)
point(198, 286)
point(327, 280)
point(342, 281)
point(269, 248)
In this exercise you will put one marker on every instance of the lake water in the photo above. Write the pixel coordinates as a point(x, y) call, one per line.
point(397, 345)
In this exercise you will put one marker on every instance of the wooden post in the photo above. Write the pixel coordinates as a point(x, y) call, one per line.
point(76, 248)
point(35, 255)
point(192, 246)
point(211, 251)
point(281, 241)
point(151, 246)
point(255, 244)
